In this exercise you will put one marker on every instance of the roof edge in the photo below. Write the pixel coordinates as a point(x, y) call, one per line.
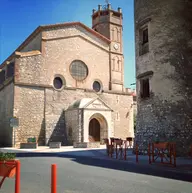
point(98, 98)
point(23, 44)
point(43, 27)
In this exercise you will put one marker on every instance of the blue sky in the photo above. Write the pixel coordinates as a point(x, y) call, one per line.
point(19, 18)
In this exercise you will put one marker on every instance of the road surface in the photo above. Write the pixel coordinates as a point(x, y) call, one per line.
point(88, 175)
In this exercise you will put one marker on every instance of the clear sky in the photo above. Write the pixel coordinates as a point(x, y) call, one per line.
point(19, 18)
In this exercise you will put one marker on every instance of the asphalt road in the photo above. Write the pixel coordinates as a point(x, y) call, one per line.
point(88, 175)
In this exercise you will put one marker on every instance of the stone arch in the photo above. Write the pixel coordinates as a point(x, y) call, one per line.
point(98, 128)
point(120, 65)
point(119, 35)
point(115, 34)
point(116, 64)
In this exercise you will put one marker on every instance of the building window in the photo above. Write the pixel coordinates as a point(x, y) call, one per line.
point(144, 88)
point(103, 13)
point(10, 70)
point(78, 70)
point(145, 36)
point(96, 86)
point(58, 82)
point(2, 76)
point(144, 41)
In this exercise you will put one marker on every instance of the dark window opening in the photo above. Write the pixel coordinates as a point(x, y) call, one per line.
point(145, 36)
point(58, 83)
point(144, 39)
point(96, 86)
point(104, 13)
point(116, 14)
point(144, 87)
point(10, 70)
point(2, 76)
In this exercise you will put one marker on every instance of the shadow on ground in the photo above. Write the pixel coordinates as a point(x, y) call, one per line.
point(97, 159)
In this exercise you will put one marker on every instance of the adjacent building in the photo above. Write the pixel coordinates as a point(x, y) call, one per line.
point(163, 39)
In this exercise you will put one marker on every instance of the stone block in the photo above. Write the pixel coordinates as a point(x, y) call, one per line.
point(28, 145)
point(54, 144)
point(93, 144)
point(80, 144)
point(86, 144)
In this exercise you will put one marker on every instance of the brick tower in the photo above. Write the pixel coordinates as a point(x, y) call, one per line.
point(108, 22)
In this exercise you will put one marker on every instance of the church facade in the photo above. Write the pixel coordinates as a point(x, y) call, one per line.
point(65, 83)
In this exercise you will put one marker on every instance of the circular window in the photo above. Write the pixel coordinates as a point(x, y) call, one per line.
point(96, 86)
point(58, 83)
point(78, 70)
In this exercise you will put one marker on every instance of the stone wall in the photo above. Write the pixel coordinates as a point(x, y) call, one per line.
point(41, 113)
point(63, 45)
point(30, 70)
point(45, 106)
point(166, 115)
point(29, 108)
point(56, 102)
point(122, 106)
point(6, 112)
point(74, 127)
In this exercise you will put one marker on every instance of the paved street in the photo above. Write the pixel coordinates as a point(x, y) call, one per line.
point(89, 175)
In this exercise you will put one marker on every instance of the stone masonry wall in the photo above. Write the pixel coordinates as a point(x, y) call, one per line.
point(122, 115)
point(30, 70)
point(59, 101)
point(6, 112)
point(29, 108)
point(44, 106)
point(41, 113)
point(74, 127)
point(75, 43)
point(56, 103)
point(166, 115)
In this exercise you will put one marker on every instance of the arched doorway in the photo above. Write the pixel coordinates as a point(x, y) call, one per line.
point(94, 130)
point(98, 128)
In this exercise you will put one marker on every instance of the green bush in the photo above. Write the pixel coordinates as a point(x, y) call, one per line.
point(7, 156)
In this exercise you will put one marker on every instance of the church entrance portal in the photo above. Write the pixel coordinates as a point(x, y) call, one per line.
point(94, 130)
point(98, 128)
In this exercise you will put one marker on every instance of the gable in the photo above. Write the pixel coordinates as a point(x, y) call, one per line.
point(97, 104)
point(74, 31)
point(76, 25)
point(41, 29)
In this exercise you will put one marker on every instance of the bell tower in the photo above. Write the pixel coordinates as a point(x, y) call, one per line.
point(108, 22)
